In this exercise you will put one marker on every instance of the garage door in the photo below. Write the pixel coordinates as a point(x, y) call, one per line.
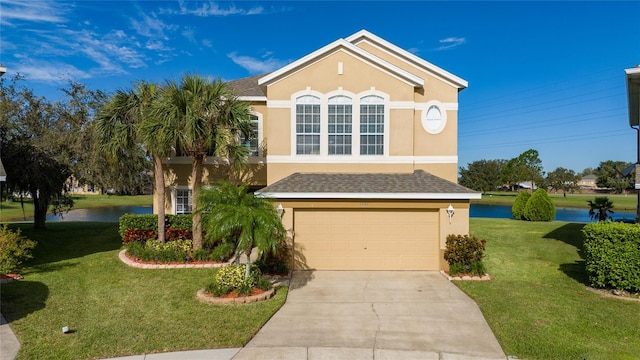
point(367, 240)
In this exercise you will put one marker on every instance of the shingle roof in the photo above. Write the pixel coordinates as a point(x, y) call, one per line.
point(416, 185)
point(247, 86)
point(3, 173)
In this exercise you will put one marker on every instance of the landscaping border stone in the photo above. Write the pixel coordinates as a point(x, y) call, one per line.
point(204, 297)
point(484, 277)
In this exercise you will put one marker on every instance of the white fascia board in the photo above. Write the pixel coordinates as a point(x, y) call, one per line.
point(389, 196)
point(461, 83)
point(413, 79)
point(252, 98)
point(336, 159)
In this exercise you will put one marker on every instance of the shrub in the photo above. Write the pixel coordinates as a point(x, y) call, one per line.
point(180, 221)
point(517, 210)
point(278, 263)
point(223, 251)
point(233, 276)
point(540, 207)
point(137, 221)
point(462, 251)
point(612, 255)
point(14, 249)
point(139, 235)
point(172, 234)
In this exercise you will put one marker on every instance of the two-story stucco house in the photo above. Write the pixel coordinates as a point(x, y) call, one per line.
point(357, 145)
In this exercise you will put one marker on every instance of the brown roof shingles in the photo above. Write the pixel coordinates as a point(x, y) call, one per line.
point(418, 182)
point(247, 86)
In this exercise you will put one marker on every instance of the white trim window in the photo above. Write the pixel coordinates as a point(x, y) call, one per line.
point(308, 125)
point(340, 125)
point(183, 201)
point(253, 143)
point(372, 125)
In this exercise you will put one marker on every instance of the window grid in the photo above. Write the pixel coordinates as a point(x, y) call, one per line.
point(253, 143)
point(308, 128)
point(371, 129)
point(184, 201)
point(340, 129)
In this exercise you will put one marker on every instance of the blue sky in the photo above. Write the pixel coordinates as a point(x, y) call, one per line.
point(542, 75)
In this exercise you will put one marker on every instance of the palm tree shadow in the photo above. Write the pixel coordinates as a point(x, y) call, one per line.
point(571, 234)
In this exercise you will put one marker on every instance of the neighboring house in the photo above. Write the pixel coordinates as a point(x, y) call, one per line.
point(588, 182)
point(357, 145)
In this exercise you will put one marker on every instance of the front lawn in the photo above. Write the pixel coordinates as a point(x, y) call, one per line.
point(621, 202)
point(76, 280)
point(537, 303)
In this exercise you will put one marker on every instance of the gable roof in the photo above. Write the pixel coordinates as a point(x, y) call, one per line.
point(418, 185)
point(351, 48)
point(406, 56)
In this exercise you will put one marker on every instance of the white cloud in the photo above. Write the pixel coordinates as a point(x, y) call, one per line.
point(450, 42)
point(213, 9)
point(51, 72)
point(255, 65)
point(35, 11)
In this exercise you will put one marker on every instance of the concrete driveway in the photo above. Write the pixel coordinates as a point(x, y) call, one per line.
point(374, 315)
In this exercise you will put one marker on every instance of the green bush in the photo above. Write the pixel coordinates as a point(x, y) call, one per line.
point(223, 252)
point(517, 210)
point(154, 250)
point(540, 207)
point(137, 221)
point(612, 255)
point(275, 263)
point(464, 254)
point(233, 276)
point(14, 249)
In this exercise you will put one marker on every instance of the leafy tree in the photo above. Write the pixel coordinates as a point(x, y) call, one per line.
point(610, 175)
point(526, 167)
point(125, 129)
point(207, 118)
point(562, 179)
point(517, 210)
point(231, 212)
point(42, 142)
point(600, 208)
point(482, 175)
point(540, 207)
point(586, 171)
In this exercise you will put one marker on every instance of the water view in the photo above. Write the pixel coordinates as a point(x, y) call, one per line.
point(113, 213)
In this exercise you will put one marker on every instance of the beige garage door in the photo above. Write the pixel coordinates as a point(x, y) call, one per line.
point(368, 240)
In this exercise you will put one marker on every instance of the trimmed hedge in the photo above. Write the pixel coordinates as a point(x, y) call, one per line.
point(612, 255)
point(517, 210)
point(150, 222)
point(540, 207)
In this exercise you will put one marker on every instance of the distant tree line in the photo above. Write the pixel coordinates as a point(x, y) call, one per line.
point(502, 174)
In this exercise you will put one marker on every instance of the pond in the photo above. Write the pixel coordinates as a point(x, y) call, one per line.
point(113, 213)
point(101, 214)
point(562, 214)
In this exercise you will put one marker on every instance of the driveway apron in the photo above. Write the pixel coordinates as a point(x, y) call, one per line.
point(374, 315)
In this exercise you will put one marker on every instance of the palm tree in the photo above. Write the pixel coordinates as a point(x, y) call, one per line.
point(125, 124)
point(600, 208)
point(206, 117)
point(232, 212)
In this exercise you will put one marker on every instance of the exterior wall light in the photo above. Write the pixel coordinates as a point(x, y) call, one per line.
point(450, 212)
point(280, 210)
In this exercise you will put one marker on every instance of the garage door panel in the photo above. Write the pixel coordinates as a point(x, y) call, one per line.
point(368, 240)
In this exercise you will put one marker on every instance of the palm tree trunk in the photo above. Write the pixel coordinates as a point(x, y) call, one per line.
point(159, 191)
point(196, 175)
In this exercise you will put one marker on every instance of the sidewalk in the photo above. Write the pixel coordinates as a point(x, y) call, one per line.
point(9, 344)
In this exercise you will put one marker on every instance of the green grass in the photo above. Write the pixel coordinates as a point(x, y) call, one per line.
point(621, 202)
point(12, 211)
point(537, 303)
point(77, 280)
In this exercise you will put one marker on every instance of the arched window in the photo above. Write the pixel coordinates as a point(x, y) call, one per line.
point(340, 125)
point(308, 125)
point(372, 125)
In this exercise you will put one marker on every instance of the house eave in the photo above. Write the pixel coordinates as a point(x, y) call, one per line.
point(383, 196)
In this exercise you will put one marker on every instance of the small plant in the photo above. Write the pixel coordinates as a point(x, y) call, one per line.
point(14, 249)
point(223, 251)
point(232, 278)
point(464, 254)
